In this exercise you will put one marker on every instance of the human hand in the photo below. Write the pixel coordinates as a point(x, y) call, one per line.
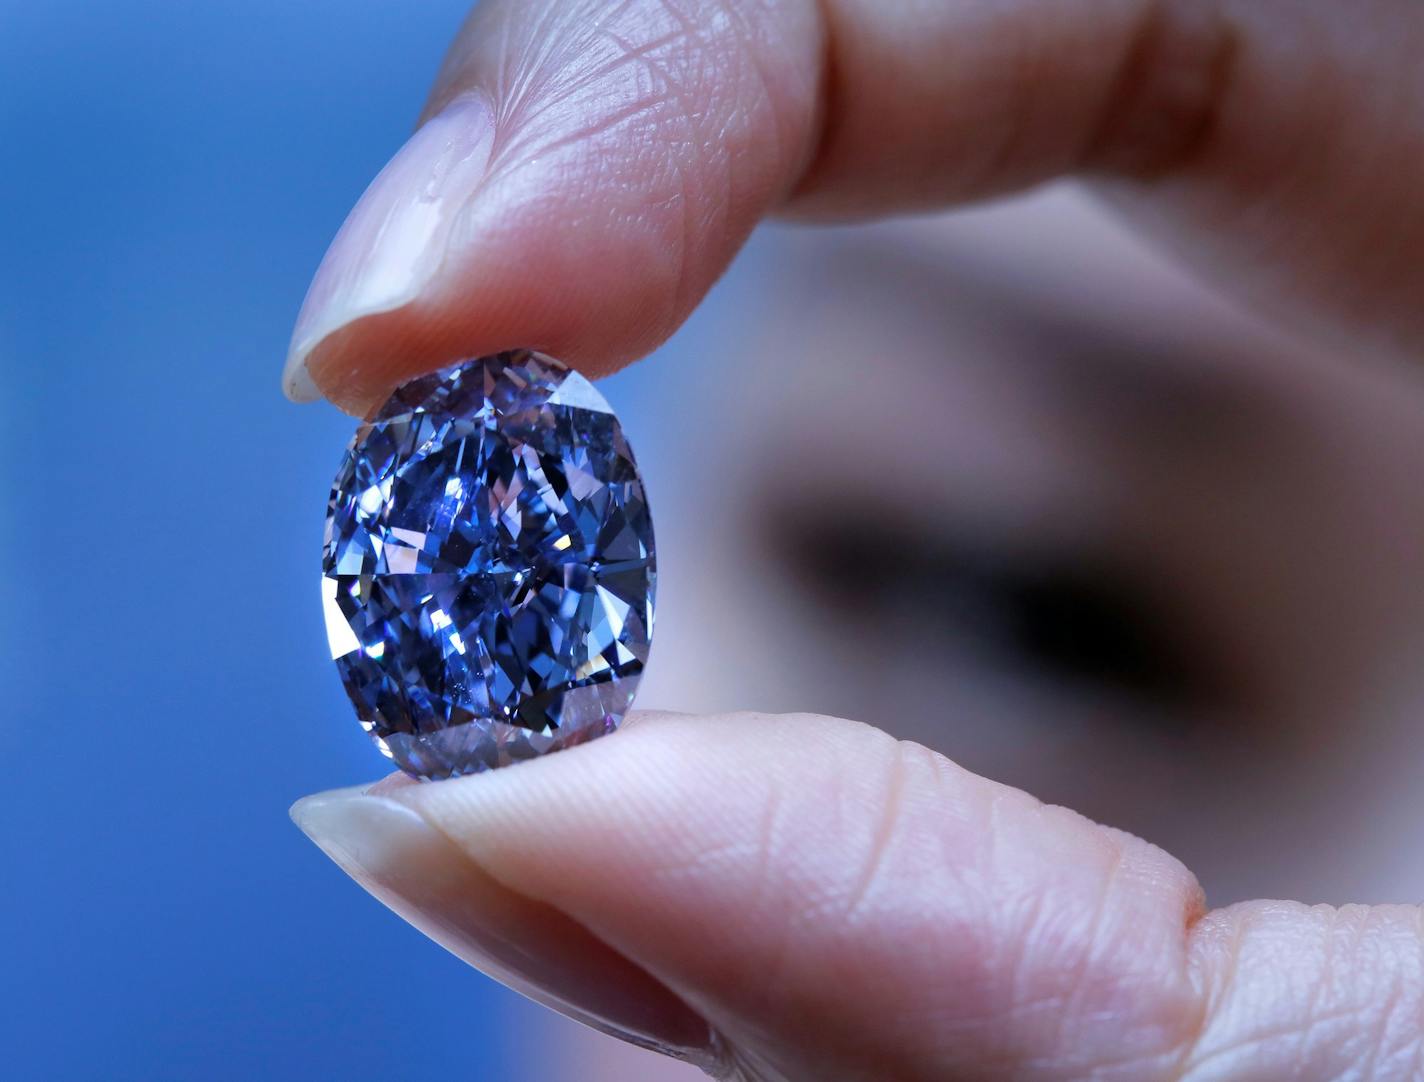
point(833, 904)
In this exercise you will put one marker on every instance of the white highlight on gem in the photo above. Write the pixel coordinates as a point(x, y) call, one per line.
point(580, 393)
point(372, 499)
point(339, 635)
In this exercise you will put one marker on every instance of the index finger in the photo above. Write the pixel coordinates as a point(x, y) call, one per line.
point(587, 171)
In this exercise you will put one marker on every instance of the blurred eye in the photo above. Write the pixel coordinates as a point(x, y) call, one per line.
point(1055, 616)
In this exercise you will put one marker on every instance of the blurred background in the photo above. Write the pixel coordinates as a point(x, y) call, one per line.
point(1152, 559)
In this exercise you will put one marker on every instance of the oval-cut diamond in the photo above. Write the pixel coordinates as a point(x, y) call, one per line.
point(489, 569)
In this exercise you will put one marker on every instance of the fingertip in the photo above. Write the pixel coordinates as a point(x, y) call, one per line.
point(523, 290)
point(392, 247)
point(308, 812)
point(556, 200)
point(416, 870)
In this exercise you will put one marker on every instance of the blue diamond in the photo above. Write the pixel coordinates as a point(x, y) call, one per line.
point(489, 570)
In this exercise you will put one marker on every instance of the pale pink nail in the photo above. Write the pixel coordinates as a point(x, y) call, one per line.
point(394, 240)
point(416, 870)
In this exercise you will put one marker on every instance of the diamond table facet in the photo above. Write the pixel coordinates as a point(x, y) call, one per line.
point(489, 570)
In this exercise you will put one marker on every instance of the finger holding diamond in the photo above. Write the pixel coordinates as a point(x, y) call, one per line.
point(840, 906)
point(586, 170)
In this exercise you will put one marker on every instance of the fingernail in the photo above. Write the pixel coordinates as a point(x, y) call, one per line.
point(420, 874)
point(393, 241)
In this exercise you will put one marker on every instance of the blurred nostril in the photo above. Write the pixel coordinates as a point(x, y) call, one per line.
point(1093, 626)
point(1070, 618)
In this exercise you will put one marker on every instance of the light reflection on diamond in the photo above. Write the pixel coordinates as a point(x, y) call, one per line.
point(489, 567)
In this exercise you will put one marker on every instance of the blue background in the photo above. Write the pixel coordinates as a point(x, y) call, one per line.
point(171, 175)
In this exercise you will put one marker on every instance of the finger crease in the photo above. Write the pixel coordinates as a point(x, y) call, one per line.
point(1162, 105)
point(896, 782)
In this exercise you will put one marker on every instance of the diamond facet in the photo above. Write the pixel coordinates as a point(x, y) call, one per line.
point(489, 569)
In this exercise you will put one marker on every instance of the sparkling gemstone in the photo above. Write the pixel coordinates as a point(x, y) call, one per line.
point(488, 574)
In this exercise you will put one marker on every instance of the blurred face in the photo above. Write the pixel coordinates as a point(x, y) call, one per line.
point(1006, 485)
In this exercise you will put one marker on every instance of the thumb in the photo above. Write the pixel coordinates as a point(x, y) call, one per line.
point(802, 897)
